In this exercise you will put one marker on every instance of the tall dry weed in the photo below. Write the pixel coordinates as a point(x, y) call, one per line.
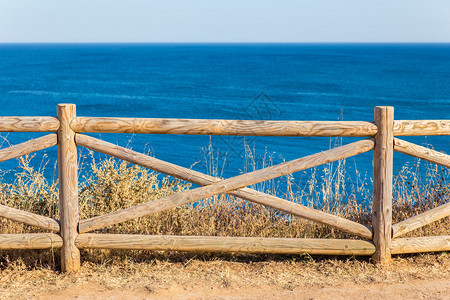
point(108, 185)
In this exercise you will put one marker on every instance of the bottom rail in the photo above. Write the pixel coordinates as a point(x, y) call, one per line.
point(225, 244)
point(421, 244)
point(30, 241)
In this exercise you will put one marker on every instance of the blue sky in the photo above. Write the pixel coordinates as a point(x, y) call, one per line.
point(224, 21)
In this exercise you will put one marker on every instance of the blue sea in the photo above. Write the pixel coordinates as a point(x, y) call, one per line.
point(227, 81)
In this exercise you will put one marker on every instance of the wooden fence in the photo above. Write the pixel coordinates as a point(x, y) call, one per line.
point(71, 234)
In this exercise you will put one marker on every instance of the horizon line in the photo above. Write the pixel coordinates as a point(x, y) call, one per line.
point(216, 43)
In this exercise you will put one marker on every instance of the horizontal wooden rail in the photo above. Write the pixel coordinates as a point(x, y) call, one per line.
point(421, 127)
point(421, 244)
point(225, 244)
point(420, 220)
point(28, 124)
point(422, 152)
point(30, 241)
point(227, 185)
point(203, 179)
point(256, 128)
point(28, 218)
point(28, 147)
point(224, 127)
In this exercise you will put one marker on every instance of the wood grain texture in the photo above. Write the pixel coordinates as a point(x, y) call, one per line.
point(28, 124)
point(226, 185)
point(382, 184)
point(244, 193)
point(30, 241)
point(224, 127)
point(68, 188)
point(421, 127)
point(225, 244)
point(28, 218)
point(28, 147)
point(252, 127)
point(422, 152)
point(420, 220)
point(421, 244)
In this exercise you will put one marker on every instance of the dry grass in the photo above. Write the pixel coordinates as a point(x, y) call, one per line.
point(158, 274)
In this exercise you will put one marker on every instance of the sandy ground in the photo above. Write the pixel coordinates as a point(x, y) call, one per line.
point(417, 289)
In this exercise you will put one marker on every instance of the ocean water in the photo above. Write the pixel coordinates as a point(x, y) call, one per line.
point(227, 81)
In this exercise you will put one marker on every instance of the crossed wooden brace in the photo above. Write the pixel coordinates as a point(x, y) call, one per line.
point(234, 186)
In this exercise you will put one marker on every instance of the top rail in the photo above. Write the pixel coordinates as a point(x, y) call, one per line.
point(421, 127)
point(28, 124)
point(224, 127)
point(255, 128)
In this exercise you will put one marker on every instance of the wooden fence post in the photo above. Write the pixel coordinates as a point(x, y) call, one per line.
point(68, 188)
point(382, 184)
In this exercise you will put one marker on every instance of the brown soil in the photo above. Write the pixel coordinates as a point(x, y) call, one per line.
point(414, 289)
point(194, 277)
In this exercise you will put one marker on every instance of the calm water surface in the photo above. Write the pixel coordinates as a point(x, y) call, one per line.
point(255, 81)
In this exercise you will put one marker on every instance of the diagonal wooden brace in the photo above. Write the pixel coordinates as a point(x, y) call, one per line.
point(213, 186)
point(28, 147)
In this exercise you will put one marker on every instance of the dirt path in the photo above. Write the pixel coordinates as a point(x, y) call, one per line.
point(417, 289)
